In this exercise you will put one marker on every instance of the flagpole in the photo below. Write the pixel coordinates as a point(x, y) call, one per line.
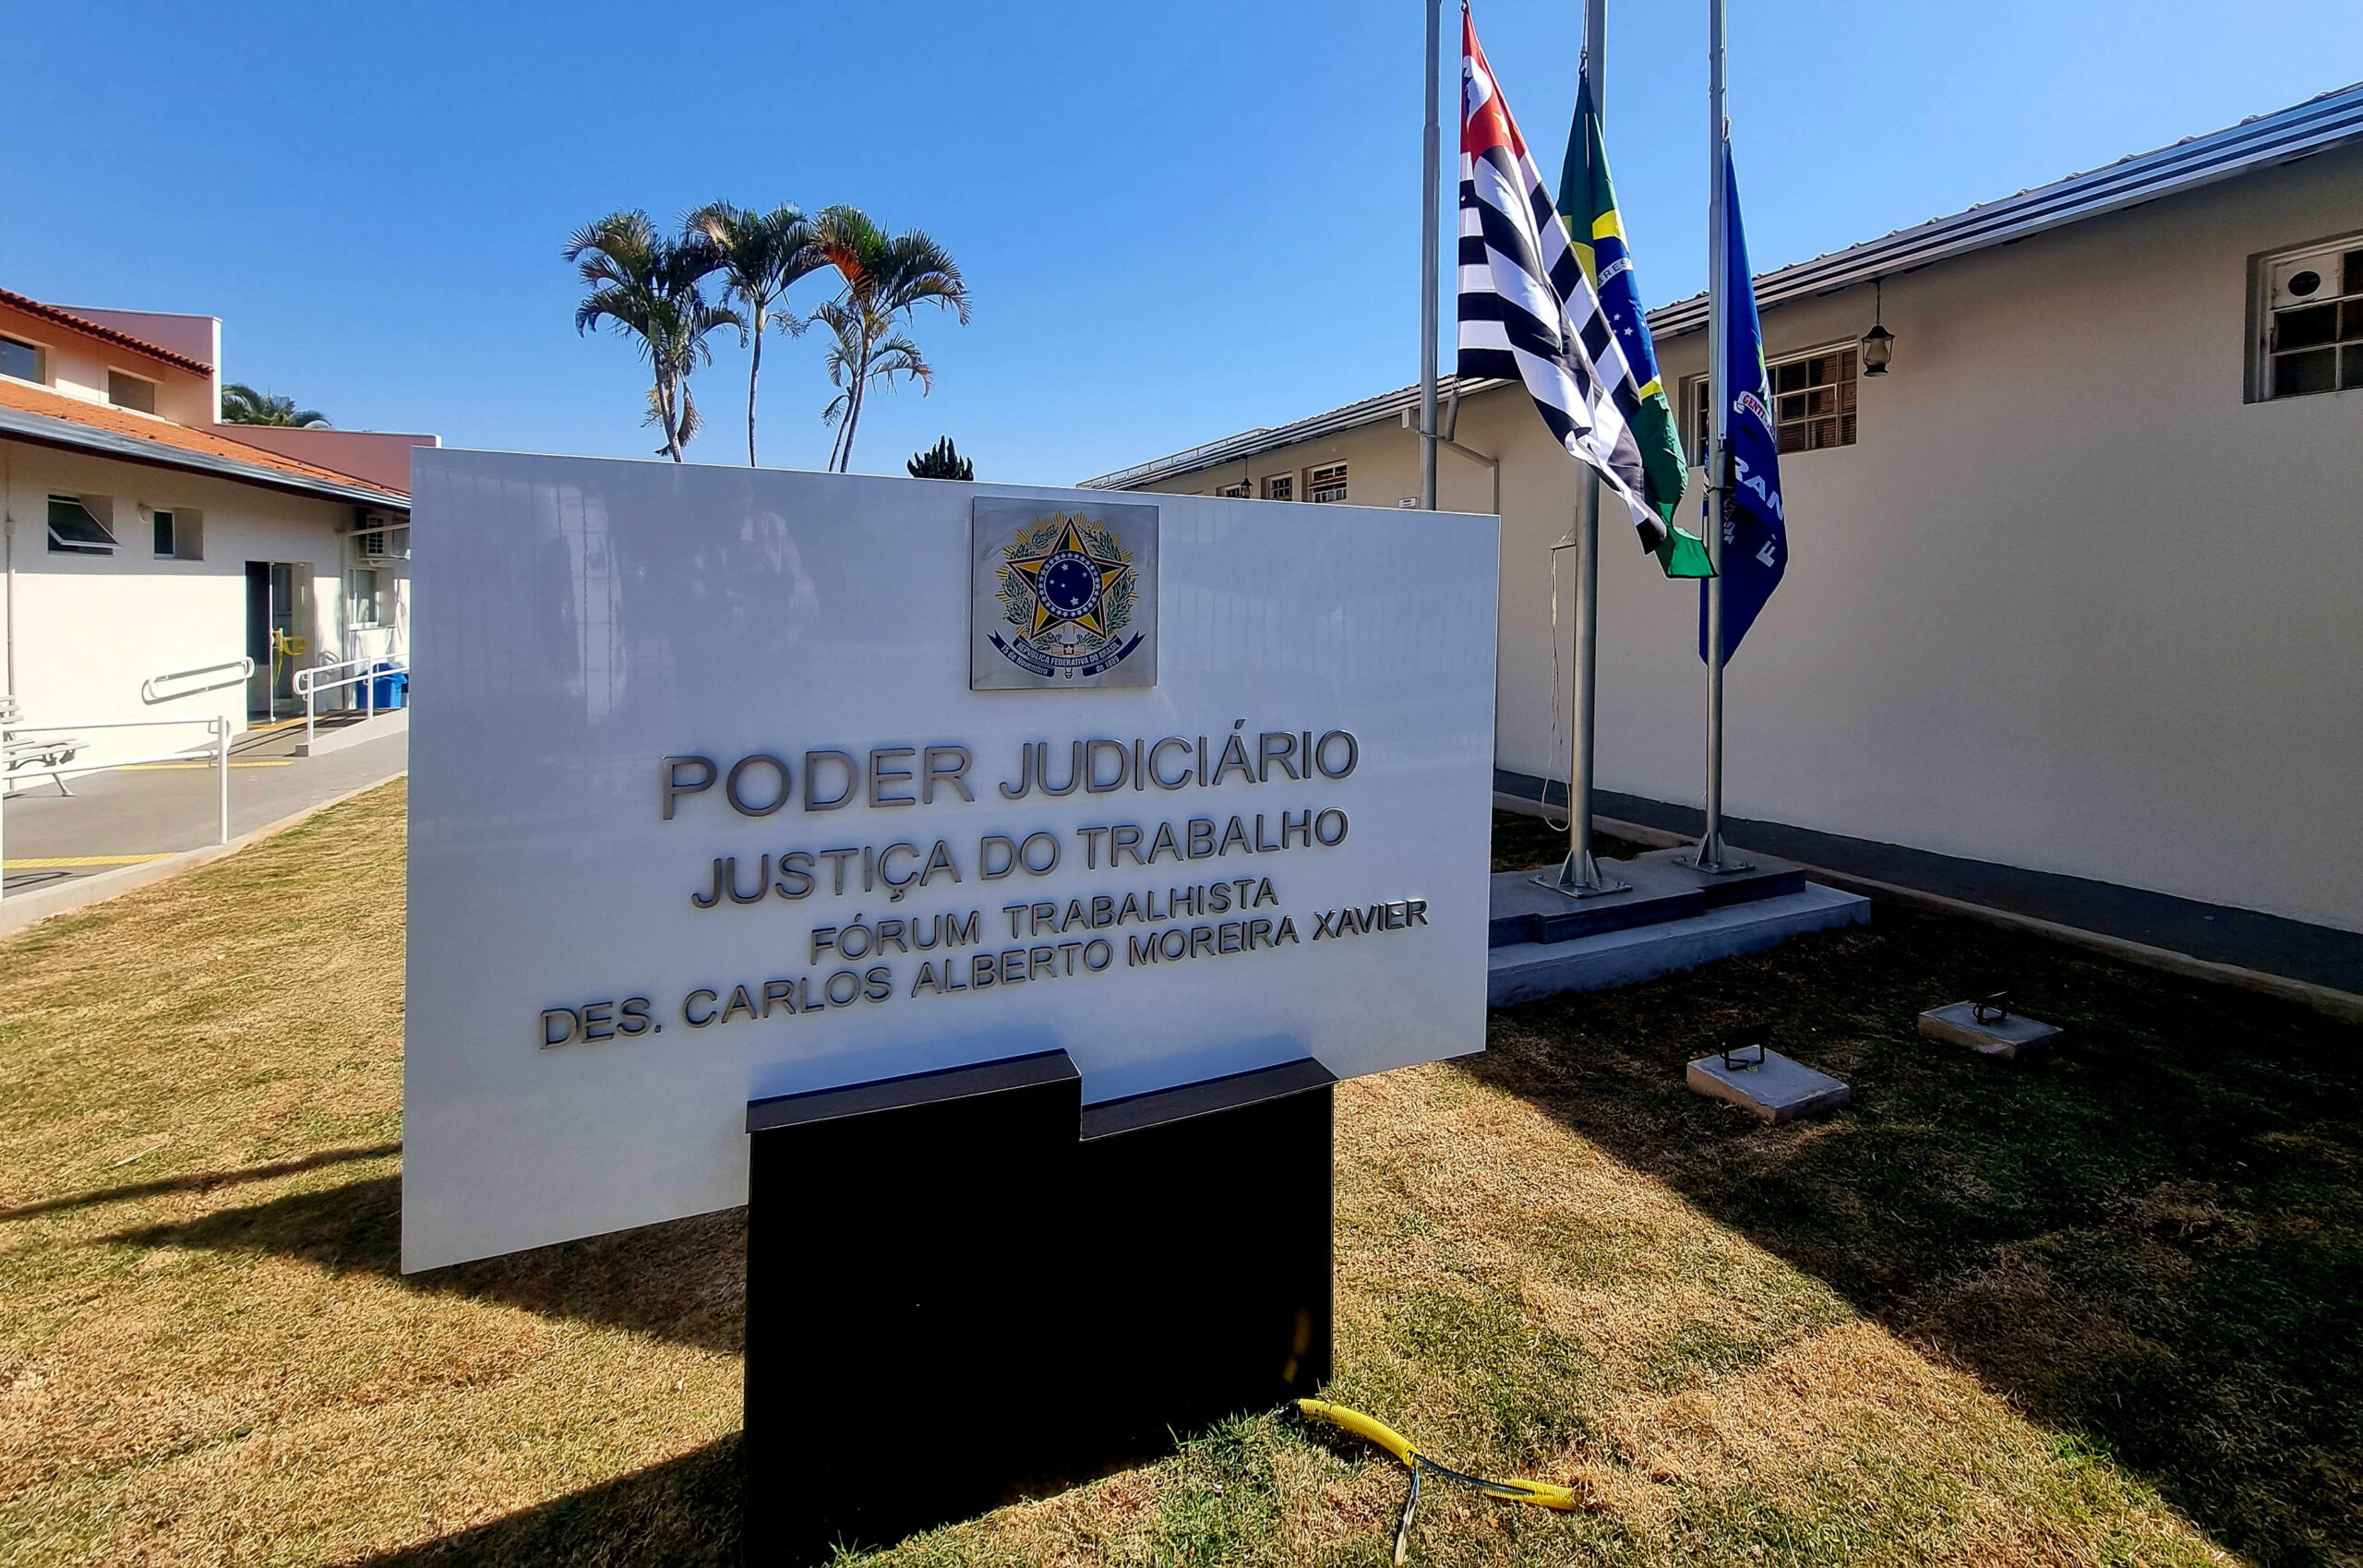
point(1579, 876)
point(1432, 172)
point(1712, 856)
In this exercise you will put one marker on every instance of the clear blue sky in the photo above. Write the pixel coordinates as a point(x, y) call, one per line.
point(1178, 221)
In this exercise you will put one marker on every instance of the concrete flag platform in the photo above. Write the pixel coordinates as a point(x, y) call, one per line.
point(1671, 917)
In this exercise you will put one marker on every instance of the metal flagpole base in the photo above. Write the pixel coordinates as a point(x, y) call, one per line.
point(1715, 860)
point(1573, 880)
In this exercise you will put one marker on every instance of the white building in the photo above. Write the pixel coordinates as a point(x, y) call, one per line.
point(145, 540)
point(2077, 587)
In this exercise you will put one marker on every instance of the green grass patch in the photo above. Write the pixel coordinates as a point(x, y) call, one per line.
point(2099, 1308)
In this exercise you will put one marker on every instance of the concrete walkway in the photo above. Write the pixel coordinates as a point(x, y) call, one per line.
point(139, 816)
point(2210, 933)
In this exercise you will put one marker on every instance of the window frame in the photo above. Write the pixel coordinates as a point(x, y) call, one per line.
point(2257, 383)
point(188, 533)
point(1281, 486)
point(382, 595)
point(105, 524)
point(153, 386)
point(1694, 398)
point(1242, 491)
point(39, 377)
point(1313, 485)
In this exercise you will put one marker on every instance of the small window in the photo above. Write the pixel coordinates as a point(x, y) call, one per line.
point(131, 391)
point(1326, 483)
point(1238, 492)
point(21, 360)
point(1813, 403)
point(366, 597)
point(180, 534)
point(76, 529)
point(2312, 337)
point(1280, 488)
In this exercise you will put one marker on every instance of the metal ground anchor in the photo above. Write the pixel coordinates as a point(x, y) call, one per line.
point(1584, 880)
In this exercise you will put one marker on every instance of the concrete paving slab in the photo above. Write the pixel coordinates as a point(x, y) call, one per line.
point(1775, 1089)
point(1531, 971)
point(2005, 1038)
point(353, 730)
point(128, 816)
point(2154, 928)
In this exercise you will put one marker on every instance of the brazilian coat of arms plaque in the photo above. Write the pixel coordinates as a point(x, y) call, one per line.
point(1061, 595)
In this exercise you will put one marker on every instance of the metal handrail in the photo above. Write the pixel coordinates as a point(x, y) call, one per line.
point(14, 726)
point(308, 688)
point(244, 666)
point(218, 726)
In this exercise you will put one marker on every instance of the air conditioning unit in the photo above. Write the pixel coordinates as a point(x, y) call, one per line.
point(381, 540)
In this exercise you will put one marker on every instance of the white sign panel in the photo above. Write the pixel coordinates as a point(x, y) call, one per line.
point(710, 801)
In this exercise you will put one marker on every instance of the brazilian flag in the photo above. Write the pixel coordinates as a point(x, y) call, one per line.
point(1588, 201)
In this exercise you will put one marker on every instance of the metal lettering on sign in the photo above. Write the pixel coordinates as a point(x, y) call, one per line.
point(1061, 596)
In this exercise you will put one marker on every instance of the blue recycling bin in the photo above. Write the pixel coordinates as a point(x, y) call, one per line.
point(390, 687)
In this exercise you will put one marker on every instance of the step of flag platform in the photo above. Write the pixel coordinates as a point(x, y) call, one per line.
point(1773, 1088)
point(1671, 917)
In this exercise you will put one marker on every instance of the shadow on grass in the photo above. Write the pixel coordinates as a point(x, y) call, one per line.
point(682, 1512)
point(2151, 1242)
point(201, 1181)
point(685, 1280)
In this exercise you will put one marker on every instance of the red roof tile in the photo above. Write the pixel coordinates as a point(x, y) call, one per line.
point(67, 318)
point(119, 422)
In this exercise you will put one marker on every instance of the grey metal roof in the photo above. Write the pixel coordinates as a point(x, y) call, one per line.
point(1247, 443)
point(46, 431)
point(2329, 120)
point(2320, 122)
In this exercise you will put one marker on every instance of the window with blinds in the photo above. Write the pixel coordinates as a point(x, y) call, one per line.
point(1326, 483)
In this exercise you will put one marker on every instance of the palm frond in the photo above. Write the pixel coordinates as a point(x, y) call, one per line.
point(650, 288)
point(900, 356)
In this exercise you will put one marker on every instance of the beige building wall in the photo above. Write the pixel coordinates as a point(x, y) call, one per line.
point(198, 336)
point(2069, 604)
point(84, 631)
point(75, 364)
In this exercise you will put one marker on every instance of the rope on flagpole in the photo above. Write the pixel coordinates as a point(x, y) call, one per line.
point(1566, 787)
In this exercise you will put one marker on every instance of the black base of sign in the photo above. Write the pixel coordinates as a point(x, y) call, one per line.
point(963, 1285)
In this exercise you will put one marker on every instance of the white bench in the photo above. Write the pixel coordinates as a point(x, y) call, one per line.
point(48, 752)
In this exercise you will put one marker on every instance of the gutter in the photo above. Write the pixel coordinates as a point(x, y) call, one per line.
point(43, 431)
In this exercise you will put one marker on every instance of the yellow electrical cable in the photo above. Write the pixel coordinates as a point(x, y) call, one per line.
point(1542, 1494)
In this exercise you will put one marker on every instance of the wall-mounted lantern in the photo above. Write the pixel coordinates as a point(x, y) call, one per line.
point(1878, 343)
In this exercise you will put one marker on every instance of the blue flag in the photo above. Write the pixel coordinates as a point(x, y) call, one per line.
point(1756, 540)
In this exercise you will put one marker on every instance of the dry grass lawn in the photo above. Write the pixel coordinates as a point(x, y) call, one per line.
point(1892, 1337)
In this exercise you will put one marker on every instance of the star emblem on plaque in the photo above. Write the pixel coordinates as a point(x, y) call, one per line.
point(1061, 595)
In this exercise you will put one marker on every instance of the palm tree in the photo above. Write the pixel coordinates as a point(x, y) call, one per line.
point(941, 461)
point(762, 256)
point(865, 350)
point(651, 289)
point(241, 404)
point(885, 277)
